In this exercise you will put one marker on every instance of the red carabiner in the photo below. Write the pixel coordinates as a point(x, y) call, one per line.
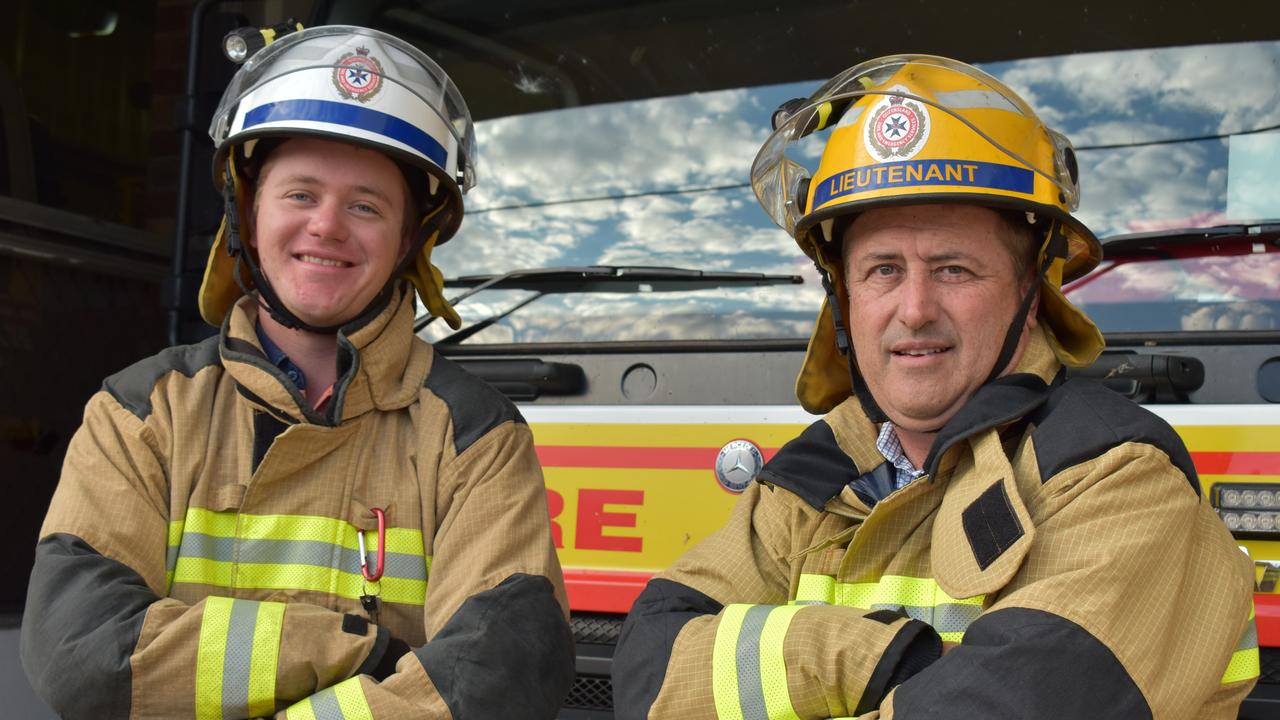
point(376, 575)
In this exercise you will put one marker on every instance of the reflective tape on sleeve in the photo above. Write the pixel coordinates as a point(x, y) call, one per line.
point(344, 701)
point(1245, 662)
point(749, 673)
point(171, 554)
point(724, 664)
point(773, 666)
point(236, 658)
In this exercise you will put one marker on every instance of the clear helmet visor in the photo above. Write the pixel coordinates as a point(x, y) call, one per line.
point(979, 116)
point(417, 109)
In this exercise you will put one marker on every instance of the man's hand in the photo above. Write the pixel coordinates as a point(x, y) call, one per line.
point(947, 646)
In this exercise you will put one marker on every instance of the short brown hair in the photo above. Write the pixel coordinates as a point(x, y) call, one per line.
point(1022, 239)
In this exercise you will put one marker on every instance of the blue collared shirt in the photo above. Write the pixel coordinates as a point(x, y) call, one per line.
point(891, 448)
point(280, 360)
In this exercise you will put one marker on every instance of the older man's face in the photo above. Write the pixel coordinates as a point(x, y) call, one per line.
point(932, 290)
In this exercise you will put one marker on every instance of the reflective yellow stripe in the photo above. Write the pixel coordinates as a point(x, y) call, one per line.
point(344, 701)
point(266, 656)
point(210, 657)
point(900, 590)
point(922, 598)
point(293, 552)
point(724, 663)
point(297, 527)
point(236, 658)
point(352, 700)
point(816, 589)
point(1245, 663)
point(199, 570)
point(773, 667)
point(171, 557)
point(300, 710)
point(824, 114)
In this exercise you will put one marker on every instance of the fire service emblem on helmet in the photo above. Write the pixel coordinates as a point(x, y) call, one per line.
point(898, 128)
point(358, 76)
point(738, 464)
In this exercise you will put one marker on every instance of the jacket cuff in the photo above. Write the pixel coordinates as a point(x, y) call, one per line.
point(377, 652)
point(914, 648)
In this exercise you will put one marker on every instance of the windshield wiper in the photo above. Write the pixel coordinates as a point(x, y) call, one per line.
point(1263, 232)
point(593, 279)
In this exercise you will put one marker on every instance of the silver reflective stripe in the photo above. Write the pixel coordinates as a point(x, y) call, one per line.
point(850, 116)
point(967, 99)
point(1249, 640)
point(944, 618)
point(236, 663)
point(325, 706)
point(297, 552)
point(750, 689)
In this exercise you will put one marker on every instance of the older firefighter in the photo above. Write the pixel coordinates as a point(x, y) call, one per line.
point(966, 533)
point(311, 514)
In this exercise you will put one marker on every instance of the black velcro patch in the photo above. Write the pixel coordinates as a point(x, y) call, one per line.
point(355, 625)
point(991, 525)
point(885, 615)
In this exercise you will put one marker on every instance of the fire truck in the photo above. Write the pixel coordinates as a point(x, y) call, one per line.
point(618, 281)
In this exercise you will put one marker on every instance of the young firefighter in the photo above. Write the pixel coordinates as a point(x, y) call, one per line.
point(966, 533)
point(312, 514)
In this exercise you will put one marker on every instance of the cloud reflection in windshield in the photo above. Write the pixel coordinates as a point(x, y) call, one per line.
point(617, 172)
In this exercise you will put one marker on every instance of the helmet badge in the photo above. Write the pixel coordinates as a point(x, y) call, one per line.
point(898, 128)
point(358, 75)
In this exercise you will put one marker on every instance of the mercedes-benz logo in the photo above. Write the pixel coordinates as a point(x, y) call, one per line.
point(738, 464)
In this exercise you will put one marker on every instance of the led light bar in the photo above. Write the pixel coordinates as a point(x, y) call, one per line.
point(1248, 508)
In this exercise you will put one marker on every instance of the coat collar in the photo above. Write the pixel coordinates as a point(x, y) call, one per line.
point(998, 403)
point(381, 365)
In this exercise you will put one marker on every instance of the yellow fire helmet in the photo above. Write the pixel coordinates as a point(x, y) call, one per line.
point(355, 85)
point(912, 129)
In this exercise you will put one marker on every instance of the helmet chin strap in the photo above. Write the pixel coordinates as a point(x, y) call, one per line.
point(270, 301)
point(1056, 247)
point(869, 405)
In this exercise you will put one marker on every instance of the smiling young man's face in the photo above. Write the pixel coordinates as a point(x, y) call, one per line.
point(329, 226)
point(932, 290)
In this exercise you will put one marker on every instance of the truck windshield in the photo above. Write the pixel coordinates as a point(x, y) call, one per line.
point(1167, 138)
point(1217, 280)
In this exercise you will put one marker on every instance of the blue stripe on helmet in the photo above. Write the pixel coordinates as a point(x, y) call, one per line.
point(924, 172)
point(336, 113)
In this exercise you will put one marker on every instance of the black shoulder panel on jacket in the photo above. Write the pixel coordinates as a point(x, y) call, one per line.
point(82, 622)
point(474, 406)
point(1021, 663)
point(506, 653)
point(132, 386)
point(812, 466)
point(1083, 419)
point(644, 648)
